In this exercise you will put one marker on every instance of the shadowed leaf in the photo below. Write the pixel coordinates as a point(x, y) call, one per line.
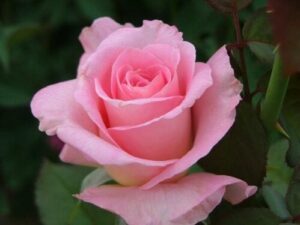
point(55, 187)
point(242, 152)
point(293, 195)
point(250, 216)
point(258, 34)
point(291, 112)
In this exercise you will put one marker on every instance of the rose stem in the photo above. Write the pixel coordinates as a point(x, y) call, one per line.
point(240, 44)
point(277, 87)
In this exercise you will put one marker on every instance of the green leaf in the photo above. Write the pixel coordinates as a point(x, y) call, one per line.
point(95, 178)
point(55, 187)
point(291, 113)
point(242, 152)
point(276, 202)
point(258, 34)
point(293, 195)
point(121, 222)
point(93, 9)
point(264, 52)
point(12, 97)
point(228, 6)
point(278, 172)
point(257, 28)
point(250, 216)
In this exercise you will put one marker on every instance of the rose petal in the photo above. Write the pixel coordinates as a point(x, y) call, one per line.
point(214, 114)
point(132, 174)
point(186, 66)
point(185, 202)
point(106, 154)
point(129, 115)
point(162, 140)
point(167, 54)
point(93, 105)
point(55, 105)
point(100, 150)
point(152, 32)
point(135, 58)
point(140, 140)
point(72, 155)
point(91, 37)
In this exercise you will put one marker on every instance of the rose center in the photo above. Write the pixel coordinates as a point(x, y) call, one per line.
point(139, 78)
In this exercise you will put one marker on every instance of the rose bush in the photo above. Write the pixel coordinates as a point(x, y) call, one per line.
point(145, 111)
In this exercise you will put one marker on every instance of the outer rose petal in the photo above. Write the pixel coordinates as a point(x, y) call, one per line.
point(72, 155)
point(55, 105)
point(91, 37)
point(185, 202)
point(152, 32)
point(214, 114)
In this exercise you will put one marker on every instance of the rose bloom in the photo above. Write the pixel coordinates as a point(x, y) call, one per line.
point(141, 108)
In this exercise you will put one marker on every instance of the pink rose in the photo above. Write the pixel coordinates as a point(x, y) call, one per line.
point(144, 110)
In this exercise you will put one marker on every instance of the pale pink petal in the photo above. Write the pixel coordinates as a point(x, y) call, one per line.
point(152, 32)
point(186, 67)
point(129, 115)
point(74, 156)
point(214, 114)
point(105, 154)
point(91, 37)
point(100, 150)
point(162, 140)
point(167, 54)
point(170, 57)
point(99, 65)
point(132, 174)
point(136, 60)
point(93, 105)
point(55, 105)
point(145, 140)
point(201, 81)
point(184, 202)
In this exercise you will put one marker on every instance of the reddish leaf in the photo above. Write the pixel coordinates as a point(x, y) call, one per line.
point(228, 6)
point(286, 27)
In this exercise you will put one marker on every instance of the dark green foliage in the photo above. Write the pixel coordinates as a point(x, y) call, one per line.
point(291, 119)
point(293, 195)
point(242, 152)
point(55, 186)
point(250, 216)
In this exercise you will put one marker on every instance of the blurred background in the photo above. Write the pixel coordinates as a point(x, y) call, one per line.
point(39, 46)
